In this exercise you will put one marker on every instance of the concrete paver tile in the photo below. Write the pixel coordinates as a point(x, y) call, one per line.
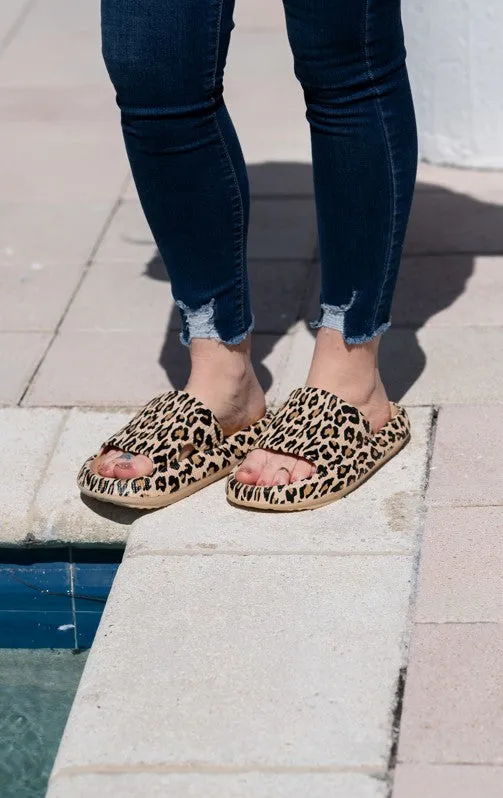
point(118, 369)
point(453, 702)
point(142, 298)
point(450, 291)
point(277, 290)
point(259, 15)
point(57, 45)
point(195, 785)
point(430, 366)
point(123, 295)
point(445, 221)
point(28, 438)
point(20, 354)
point(383, 515)
point(474, 182)
point(59, 513)
point(461, 576)
point(10, 12)
point(282, 229)
point(128, 236)
point(80, 163)
point(448, 781)
point(265, 99)
point(34, 297)
point(438, 366)
point(299, 654)
point(46, 233)
point(29, 104)
point(466, 465)
point(443, 291)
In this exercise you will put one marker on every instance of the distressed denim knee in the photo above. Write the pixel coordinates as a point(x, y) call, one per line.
point(167, 69)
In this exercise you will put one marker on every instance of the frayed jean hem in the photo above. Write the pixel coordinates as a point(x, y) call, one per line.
point(200, 324)
point(333, 318)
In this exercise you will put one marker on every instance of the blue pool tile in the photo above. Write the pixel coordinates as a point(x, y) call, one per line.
point(87, 624)
point(37, 630)
point(40, 586)
point(92, 583)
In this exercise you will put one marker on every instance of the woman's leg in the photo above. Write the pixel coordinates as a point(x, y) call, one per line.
point(166, 60)
point(350, 60)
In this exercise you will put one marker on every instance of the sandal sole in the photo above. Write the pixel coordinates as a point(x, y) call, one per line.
point(325, 500)
point(158, 502)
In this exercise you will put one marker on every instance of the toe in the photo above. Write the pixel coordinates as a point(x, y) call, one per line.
point(276, 463)
point(282, 477)
point(250, 470)
point(302, 470)
point(104, 466)
point(129, 466)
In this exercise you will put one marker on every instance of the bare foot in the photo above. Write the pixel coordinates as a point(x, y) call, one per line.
point(349, 371)
point(222, 377)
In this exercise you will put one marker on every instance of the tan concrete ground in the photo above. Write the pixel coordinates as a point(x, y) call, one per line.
point(241, 655)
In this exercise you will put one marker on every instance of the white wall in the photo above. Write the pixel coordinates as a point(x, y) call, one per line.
point(455, 62)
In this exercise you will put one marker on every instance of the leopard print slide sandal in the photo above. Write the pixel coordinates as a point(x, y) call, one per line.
point(332, 435)
point(165, 426)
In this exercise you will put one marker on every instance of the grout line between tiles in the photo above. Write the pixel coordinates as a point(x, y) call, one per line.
point(409, 620)
point(261, 553)
point(85, 270)
point(16, 26)
point(195, 768)
point(72, 595)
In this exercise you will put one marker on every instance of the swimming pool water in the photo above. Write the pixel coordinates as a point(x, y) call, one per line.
point(51, 602)
point(37, 687)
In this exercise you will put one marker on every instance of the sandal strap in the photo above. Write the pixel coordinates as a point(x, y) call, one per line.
point(165, 426)
point(318, 426)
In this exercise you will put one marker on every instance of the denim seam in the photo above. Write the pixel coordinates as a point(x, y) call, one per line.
point(391, 165)
point(240, 240)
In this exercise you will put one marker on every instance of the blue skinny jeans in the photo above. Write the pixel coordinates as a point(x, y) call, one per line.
point(166, 59)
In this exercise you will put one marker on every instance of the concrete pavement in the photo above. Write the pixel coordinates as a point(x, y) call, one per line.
point(239, 654)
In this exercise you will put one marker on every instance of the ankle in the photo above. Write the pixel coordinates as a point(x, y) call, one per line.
point(211, 359)
point(224, 379)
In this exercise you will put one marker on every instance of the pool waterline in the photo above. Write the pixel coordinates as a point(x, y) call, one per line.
point(51, 602)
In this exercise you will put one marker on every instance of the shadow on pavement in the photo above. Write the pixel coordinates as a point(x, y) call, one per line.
point(446, 233)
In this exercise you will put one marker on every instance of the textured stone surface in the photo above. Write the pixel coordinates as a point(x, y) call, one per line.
point(142, 299)
point(439, 366)
point(28, 439)
point(27, 232)
point(10, 13)
point(461, 578)
point(92, 155)
point(259, 15)
point(117, 369)
point(466, 465)
point(448, 781)
point(269, 114)
point(253, 662)
point(59, 512)
point(449, 221)
point(431, 366)
point(453, 706)
point(383, 515)
point(195, 785)
point(20, 354)
point(35, 296)
point(449, 291)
